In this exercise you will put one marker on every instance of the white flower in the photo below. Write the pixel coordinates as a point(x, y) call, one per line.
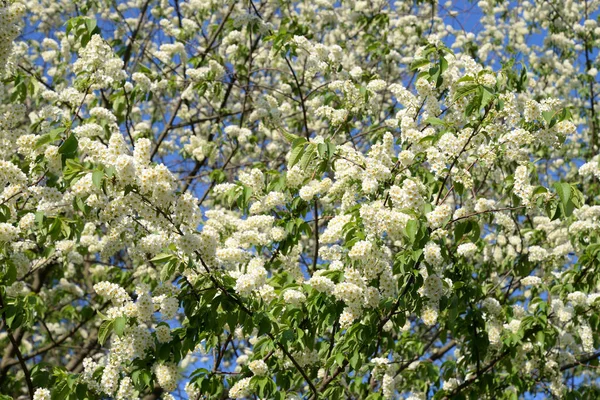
point(41, 394)
point(531, 281)
point(258, 367)
point(241, 389)
point(376, 85)
point(163, 333)
point(467, 249)
point(294, 297)
point(587, 338)
point(166, 375)
point(537, 254)
point(438, 216)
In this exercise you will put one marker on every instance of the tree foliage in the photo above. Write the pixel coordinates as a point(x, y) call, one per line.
point(299, 199)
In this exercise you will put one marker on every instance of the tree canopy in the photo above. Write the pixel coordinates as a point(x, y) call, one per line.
point(312, 199)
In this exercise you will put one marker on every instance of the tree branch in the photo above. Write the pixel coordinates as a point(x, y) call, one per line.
point(17, 351)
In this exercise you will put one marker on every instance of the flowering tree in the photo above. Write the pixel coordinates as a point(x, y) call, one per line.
point(299, 199)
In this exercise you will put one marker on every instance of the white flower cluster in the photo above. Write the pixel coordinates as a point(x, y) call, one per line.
point(258, 367)
point(163, 333)
point(522, 188)
point(531, 281)
point(294, 297)
point(166, 376)
point(10, 14)
point(433, 254)
point(126, 390)
point(408, 197)
point(439, 216)
point(314, 188)
point(254, 279)
point(112, 291)
point(8, 232)
point(41, 394)
point(537, 254)
point(467, 249)
point(98, 63)
point(241, 389)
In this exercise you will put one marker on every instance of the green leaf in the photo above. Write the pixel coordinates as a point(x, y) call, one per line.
point(60, 391)
point(308, 156)
point(418, 63)
point(355, 361)
point(564, 192)
point(50, 137)
point(475, 103)
point(69, 146)
point(475, 231)
point(465, 79)
point(119, 325)
point(539, 190)
point(465, 91)
point(290, 136)
point(443, 65)
point(13, 315)
point(322, 147)
point(162, 258)
point(168, 270)
point(105, 330)
point(577, 197)
point(299, 141)
point(541, 338)
point(9, 275)
point(295, 156)
point(487, 96)
point(434, 121)
point(97, 177)
point(331, 149)
point(110, 172)
point(412, 228)
point(70, 24)
point(547, 116)
point(91, 25)
point(453, 309)
point(39, 218)
point(460, 229)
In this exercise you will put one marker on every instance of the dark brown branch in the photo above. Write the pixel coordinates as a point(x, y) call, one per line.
point(17, 351)
point(480, 372)
point(128, 50)
point(316, 253)
point(581, 362)
point(169, 125)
